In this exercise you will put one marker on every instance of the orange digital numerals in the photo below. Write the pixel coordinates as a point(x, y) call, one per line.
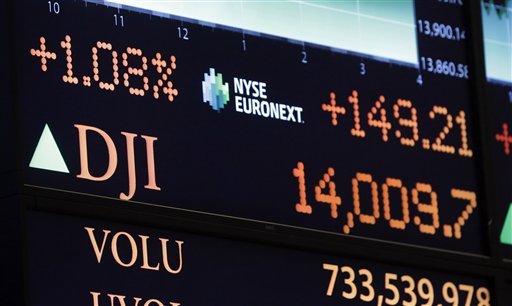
point(404, 199)
point(302, 206)
point(331, 198)
point(422, 196)
point(411, 123)
point(132, 71)
point(406, 116)
point(69, 77)
point(137, 69)
point(379, 122)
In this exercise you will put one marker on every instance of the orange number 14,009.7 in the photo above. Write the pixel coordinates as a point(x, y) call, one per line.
point(422, 196)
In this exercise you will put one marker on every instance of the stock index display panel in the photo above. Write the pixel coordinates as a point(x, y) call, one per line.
point(7, 170)
point(147, 266)
point(497, 30)
point(351, 118)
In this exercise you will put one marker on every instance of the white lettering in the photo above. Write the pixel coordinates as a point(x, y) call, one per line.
point(251, 99)
point(247, 86)
point(282, 112)
point(238, 86)
point(263, 90)
point(238, 104)
point(290, 113)
point(274, 110)
point(299, 114)
point(250, 88)
point(247, 105)
point(256, 92)
point(256, 107)
point(265, 109)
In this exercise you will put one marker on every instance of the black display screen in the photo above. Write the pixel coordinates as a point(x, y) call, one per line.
point(94, 262)
point(357, 122)
point(7, 169)
point(497, 34)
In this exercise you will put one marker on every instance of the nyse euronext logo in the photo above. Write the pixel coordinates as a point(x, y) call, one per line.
point(214, 91)
point(251, 98)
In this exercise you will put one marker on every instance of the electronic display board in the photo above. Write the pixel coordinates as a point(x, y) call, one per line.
point(93, 262)
point(503, 292)
point(7, 169)
point(365, 131)
point(497, 33)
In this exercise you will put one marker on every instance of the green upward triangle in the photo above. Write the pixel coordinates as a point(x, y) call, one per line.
point(506, 232)
point(47, 155)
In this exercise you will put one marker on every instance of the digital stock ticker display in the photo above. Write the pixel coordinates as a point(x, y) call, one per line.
point(497, 29)
point(6, 152)
point(170, 268)
point(347, 117)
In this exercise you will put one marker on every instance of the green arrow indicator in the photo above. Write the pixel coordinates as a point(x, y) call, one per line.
point(506, 232)
point(47, 155)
